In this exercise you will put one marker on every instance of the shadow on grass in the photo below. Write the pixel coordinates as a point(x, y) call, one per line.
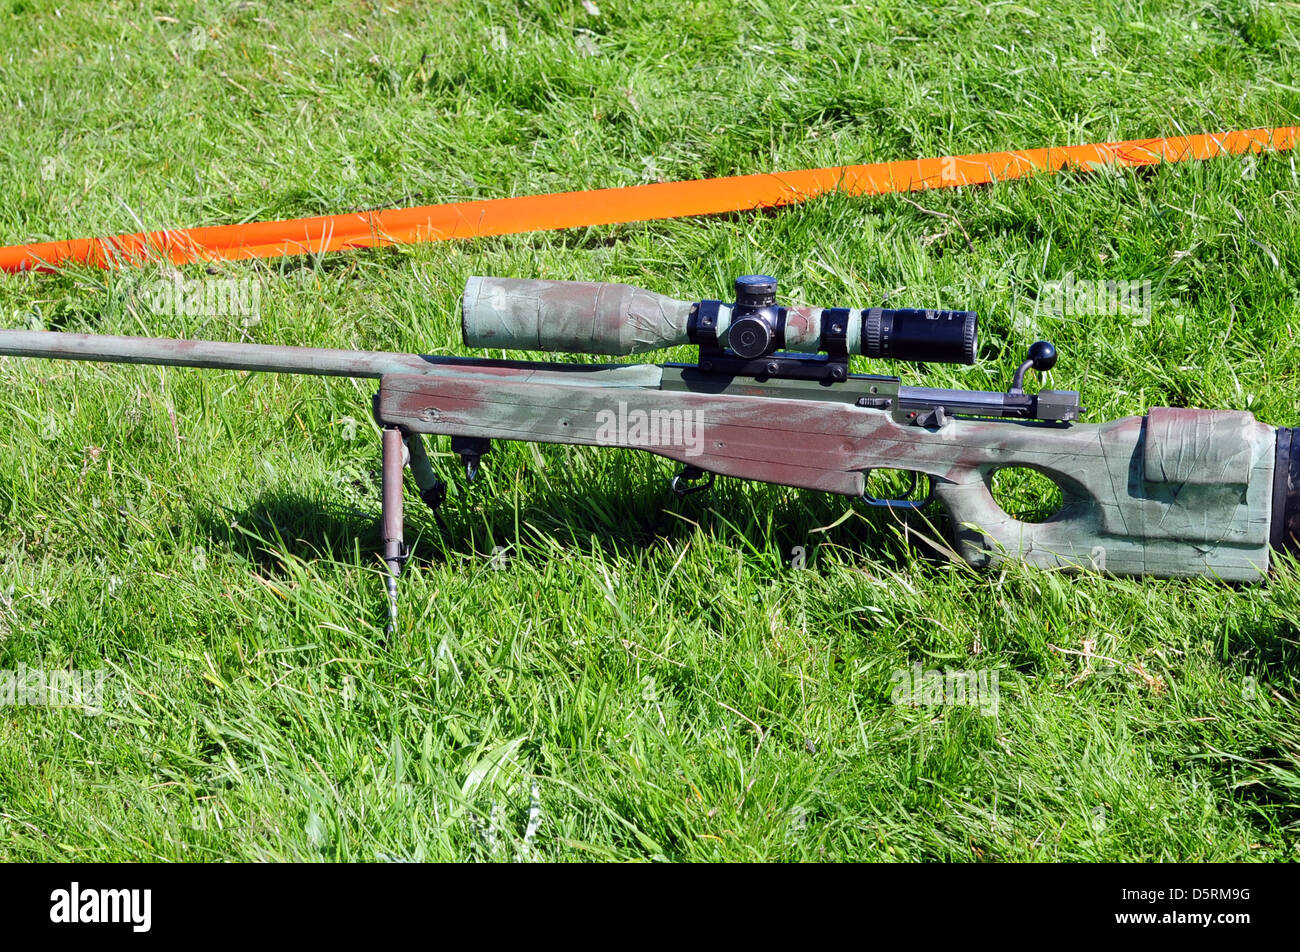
point(293, 524)
point(474, 523)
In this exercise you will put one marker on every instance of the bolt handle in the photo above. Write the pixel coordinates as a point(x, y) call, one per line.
point(1042, 357)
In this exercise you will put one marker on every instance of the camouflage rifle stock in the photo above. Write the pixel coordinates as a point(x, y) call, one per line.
point(1177, 492)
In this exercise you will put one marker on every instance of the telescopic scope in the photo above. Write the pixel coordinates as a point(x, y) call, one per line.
point(618, 319)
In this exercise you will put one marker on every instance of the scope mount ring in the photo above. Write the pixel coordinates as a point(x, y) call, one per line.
point(904, 505)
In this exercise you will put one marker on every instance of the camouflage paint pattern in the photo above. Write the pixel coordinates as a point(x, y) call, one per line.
point(1175, 493)
point(579, 317)
point(571, 316)
point(166, 352)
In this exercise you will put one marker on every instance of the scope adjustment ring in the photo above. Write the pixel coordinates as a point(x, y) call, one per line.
point(751, 336)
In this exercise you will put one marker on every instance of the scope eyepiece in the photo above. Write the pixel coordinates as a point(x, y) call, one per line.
point(941, 337)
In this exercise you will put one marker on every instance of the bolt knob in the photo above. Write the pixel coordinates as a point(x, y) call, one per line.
point(1042, 355)
point(755, 290)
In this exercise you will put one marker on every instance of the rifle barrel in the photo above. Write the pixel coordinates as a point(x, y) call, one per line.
point(211, 354)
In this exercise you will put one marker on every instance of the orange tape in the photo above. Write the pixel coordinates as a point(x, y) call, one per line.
point(608, 206)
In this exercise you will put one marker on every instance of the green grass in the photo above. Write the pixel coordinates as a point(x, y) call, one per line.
point(641, 677)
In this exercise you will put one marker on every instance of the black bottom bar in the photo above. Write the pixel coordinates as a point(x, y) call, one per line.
point(1284, 533)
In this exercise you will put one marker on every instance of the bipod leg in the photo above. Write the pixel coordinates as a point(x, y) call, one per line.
point(432, 489)
point(395, 550)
